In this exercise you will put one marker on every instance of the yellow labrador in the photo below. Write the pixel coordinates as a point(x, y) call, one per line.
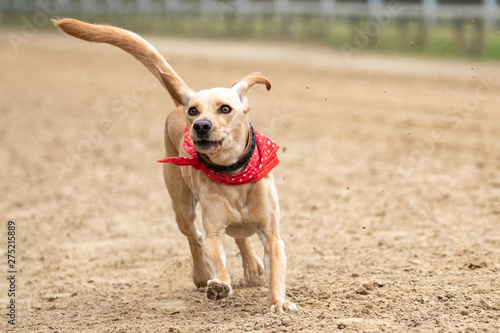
point(215, 158)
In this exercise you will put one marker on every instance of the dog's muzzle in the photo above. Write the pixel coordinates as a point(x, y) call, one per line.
point(202, 127)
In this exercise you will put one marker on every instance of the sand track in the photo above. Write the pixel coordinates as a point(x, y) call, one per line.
point(389, 186)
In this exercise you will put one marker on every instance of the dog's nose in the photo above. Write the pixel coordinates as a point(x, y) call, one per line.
point(202, 126)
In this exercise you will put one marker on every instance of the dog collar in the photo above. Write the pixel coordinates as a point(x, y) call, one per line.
point(262, 159)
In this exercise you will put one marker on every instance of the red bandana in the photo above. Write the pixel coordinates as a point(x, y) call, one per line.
point(263, 160)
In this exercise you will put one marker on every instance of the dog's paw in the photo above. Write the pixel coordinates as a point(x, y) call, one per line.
point(283, 306)
point(217, 290)
point(254, 275)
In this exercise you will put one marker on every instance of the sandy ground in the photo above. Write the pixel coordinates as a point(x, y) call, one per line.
point(389, 187)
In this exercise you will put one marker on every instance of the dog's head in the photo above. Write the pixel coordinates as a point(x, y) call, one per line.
point(217, 118)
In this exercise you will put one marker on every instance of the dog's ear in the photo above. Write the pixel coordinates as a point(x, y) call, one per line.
point(134, 45)
point(242, 85)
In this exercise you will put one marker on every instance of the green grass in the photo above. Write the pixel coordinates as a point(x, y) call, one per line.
point(492, 49)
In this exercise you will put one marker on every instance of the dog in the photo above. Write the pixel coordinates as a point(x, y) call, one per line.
point(216, 159)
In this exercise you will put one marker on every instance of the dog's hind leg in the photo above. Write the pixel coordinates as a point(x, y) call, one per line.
point(253, 269)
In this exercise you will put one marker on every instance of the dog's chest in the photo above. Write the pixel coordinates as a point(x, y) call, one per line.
point(233, 207)
point(243, 222)
point(242, 209)
point(241, 206)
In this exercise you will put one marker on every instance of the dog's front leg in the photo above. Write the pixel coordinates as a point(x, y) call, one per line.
point(219, 285)
point(275, 265)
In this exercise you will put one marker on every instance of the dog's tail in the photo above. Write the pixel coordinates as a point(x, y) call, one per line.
point(136, 46)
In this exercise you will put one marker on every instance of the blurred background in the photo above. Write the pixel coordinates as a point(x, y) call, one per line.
point(387, 115)
point(465, 28)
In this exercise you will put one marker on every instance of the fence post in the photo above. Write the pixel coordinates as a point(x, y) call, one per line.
point(404, 33)
point(429, 11)
point(422, 33)
point(375, 12)
point(375, 7)
point(460, 33)
point(328, 16)
point(477, 46)
point(327, 9)
point(282, 13)
point(490, 12)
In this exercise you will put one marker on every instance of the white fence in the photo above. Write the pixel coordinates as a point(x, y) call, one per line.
point(428, 10)
point(472, 25)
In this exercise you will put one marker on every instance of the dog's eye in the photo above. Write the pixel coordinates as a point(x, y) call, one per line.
point(225, 109)
point(192, 111)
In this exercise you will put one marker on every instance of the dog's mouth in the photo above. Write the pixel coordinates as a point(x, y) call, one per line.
point(207, 145)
